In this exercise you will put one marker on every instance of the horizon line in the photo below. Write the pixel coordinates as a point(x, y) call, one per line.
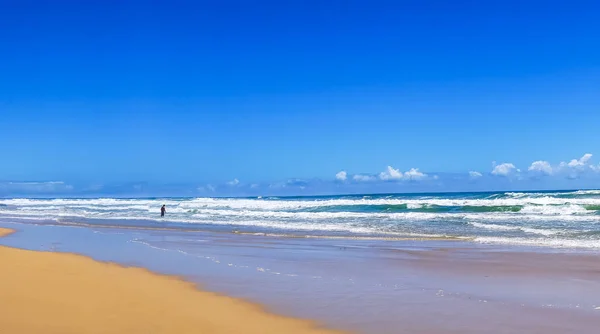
point(314, 196)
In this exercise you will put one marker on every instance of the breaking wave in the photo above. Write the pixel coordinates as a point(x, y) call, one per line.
point(527, 218)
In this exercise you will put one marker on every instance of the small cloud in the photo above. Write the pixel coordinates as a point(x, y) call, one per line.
point(576, 167)
point(233, 182)
point(414, 174)
point(341, 176)
point(36, 187)
point(504, 169)
point(577, 163)
point(541, 166)
point(210, 188)
point(254, 185)
point(363, 178)
point(581, 162)
point(475, 175)
point(391, 174)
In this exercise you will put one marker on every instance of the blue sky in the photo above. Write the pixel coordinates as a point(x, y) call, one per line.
point(181, 97)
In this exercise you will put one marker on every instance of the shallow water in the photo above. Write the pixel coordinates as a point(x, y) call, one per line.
point(373, 286)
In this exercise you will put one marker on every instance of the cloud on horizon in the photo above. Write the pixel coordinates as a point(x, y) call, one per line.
point(341, 176)
point(35, 187)
point(475, 175)
point(541, 166)
point(390, 174)
point(573, 169)
point(540, 174)
point(504, 169)
point(233, 182)
point(364, 178)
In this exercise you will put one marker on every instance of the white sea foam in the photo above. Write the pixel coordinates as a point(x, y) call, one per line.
point(541, 242)
point(528, 213)
point(413, 205)
point(494, 226)
point(567, 209)
point(547, 194)
point(271, 205)
point(526, 216)
point(545, 232)
point(586, 192)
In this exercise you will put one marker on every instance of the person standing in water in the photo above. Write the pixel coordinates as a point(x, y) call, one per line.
point(163, 209)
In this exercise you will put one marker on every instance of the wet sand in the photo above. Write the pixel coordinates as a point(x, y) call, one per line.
point(45, 292)
point(363, 286)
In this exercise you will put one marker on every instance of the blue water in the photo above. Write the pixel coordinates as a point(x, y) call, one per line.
point(560, 219)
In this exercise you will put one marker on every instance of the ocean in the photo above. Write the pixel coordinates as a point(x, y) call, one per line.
point(559, 219)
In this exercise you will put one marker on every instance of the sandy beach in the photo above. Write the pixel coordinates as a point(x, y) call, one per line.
point(44, 292)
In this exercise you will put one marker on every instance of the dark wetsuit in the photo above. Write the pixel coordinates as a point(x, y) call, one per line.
point(162, 211)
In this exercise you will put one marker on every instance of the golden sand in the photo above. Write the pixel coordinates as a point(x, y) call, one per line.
point(44, 292)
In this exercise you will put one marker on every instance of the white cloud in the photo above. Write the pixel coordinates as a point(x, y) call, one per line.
point(578, 164)
point(210, 187)
point(233, 182)
point(576, 167)
point(363, 178)
point(541, 166)
point(475, 175)
point(391, 174)
point(581, 162)
point(504, 169)
point(414, 174)
point(36, 187)
point(341, 176)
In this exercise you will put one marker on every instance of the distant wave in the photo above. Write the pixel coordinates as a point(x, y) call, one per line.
point(417, 207)
point(283, 204)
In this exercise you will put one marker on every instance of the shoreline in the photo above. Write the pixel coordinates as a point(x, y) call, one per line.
point(72, 293)
point(467, 240)
point(399, 237)
point(360, 286)
point(564, 220)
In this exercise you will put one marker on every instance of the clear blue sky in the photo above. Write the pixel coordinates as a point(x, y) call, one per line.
point(205, 92)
